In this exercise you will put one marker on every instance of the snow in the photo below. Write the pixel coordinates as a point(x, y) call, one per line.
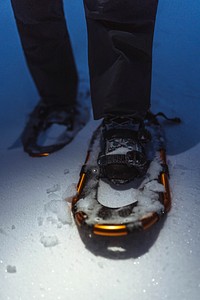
point(54, 188)
point(61, 209)
point(154, 186)
point(162, 263)
point(49, 241)
point(11, 269)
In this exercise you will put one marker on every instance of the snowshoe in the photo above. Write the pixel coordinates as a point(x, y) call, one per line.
point(103, 205)
point(50, 128)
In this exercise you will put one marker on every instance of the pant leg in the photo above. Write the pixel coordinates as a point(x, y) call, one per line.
point(120, 35)
point(45, 41)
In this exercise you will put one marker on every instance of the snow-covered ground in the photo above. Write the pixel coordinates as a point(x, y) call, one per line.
point(41, 253)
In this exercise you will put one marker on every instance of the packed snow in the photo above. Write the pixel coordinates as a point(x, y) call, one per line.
point(42, 255)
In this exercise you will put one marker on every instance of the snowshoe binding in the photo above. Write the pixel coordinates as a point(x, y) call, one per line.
point(123, 183)
point(50, 128)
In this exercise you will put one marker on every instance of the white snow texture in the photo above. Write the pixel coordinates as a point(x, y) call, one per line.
point(42, 255)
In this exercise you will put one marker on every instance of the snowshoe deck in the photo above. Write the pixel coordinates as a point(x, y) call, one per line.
point(150, 195)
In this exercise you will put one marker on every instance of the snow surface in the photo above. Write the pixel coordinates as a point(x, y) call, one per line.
point(42, 258)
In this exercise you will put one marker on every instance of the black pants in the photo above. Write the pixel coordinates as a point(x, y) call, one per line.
point(120, 35)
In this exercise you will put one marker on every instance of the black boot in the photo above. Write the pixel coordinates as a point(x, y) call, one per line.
point(122, 157)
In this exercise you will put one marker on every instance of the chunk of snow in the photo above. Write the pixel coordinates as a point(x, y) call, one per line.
point(11, 269)
point(70, 192)
point(54, 188)
point(49, 241)
point(155, 186)
point(61, 209)
point(154, 169)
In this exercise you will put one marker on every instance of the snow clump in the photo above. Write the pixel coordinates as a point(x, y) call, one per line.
point(61, 209)
point(49, 241)
point(11, 269)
